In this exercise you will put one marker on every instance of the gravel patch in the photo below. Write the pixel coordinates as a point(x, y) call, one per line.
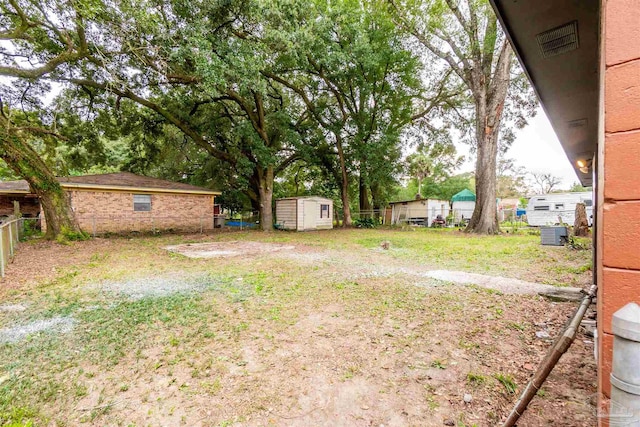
point(161, 286)
point(12, 308)
point(18, 333)
point(506, 285)
point(226, 249)
point(307, 257)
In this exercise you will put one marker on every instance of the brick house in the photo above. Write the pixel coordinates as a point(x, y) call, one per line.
point(583, 59)
point(121, 202)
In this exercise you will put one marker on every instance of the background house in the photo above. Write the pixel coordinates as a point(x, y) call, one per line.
point(304, 213)
point(123, 201)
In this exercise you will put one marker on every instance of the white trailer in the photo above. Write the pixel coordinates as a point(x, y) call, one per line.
point(556, 208)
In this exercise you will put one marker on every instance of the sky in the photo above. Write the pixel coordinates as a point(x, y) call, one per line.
point(537, 149)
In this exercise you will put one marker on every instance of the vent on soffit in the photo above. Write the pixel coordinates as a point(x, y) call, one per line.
point(559, 40)
point(577, 123)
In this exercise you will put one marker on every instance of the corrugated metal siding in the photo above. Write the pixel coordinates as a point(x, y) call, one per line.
point(286, 214)
point(300, 213)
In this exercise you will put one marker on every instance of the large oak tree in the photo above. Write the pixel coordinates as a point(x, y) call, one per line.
point(464, 36)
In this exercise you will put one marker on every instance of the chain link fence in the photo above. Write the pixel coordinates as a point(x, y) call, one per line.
point(12, 231)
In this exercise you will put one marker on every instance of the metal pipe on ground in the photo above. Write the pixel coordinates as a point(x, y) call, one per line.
point(560, 346)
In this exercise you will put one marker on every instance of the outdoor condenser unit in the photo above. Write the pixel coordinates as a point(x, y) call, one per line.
point(553, 236)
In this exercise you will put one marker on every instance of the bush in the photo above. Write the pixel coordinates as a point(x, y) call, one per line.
point(72, 236)
point(579, 243)
point(365, 223)
point(30, 230)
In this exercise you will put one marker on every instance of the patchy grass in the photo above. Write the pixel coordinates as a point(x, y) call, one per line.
point(331, 332)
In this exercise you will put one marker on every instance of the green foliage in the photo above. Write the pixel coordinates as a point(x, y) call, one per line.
point(446, 189)
point(15, 416)
point(236, 95)
point(476, 379)
point(579, 243)
point(511, 179)
point(30, 230)
point(67, 235)
point(576, 187)
point(365, 222)
point(507, 381)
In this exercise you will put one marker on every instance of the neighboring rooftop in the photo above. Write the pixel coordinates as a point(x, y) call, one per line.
point(117, 180)
point(11, 187)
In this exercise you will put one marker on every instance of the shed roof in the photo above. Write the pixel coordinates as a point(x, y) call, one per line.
point(416, 200)
point(304, 197)
point(464, 196)
point(113, 181)
point(11, 187)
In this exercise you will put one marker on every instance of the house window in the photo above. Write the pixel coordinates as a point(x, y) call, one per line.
point(541, 208)
point(324, 211)
point(142, 202)
point(559, 205)
point(588, 202)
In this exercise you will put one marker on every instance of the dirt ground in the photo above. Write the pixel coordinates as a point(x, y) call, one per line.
point(288, 330)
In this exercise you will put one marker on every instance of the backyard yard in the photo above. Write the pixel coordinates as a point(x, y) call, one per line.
point(290, 329)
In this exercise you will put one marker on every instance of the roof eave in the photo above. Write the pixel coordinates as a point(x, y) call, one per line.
point(76, 186)
point(554, 79)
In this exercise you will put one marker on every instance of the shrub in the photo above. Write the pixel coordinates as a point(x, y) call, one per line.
point(67, 235)
point(30, 230)
point(365, 223)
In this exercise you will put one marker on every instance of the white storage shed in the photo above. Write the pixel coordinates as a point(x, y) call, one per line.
point(304, 213)
point(418, 211)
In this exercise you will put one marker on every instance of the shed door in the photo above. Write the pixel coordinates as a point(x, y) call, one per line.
point(309, 213)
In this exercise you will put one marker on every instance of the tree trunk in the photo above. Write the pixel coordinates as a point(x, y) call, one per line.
point(365, 205)
point(376, 201)
point(25, 161)
point(265, 181)
point(581, 224)
point(485, 215)
point(344, 185)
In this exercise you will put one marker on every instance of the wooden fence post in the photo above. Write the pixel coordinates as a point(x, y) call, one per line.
point(2, 251)
point(10, 240)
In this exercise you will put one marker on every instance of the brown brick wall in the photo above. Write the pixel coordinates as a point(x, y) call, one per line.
point(111, 211)
point(619, 233)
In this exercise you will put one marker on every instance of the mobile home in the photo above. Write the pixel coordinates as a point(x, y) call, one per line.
point(304, 213)
point(418, 211)
point(555, 208)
